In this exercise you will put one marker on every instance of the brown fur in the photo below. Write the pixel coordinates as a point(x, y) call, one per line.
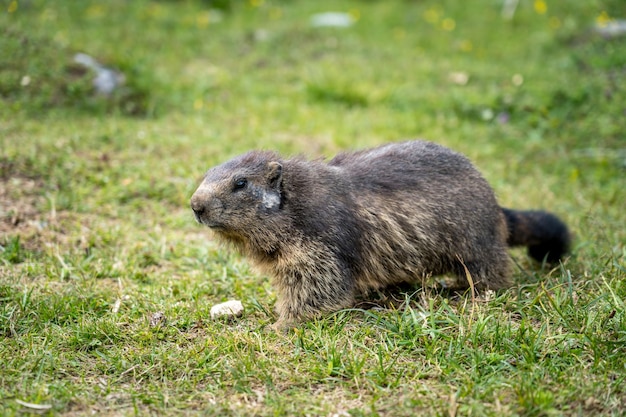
point(400, 213)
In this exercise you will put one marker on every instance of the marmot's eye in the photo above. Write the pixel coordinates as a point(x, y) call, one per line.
point(240, 183)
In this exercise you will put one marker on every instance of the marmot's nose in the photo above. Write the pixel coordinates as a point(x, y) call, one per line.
point(197, 205)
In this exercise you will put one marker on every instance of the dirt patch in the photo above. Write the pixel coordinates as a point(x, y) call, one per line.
point(19, 202)
point(23, 215)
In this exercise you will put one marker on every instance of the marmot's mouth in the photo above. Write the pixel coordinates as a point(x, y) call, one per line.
point(216, 227)
point(209, 224)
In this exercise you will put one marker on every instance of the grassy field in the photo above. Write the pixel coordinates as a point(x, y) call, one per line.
point(96, 234)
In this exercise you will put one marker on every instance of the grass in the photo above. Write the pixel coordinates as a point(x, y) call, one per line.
point(96, 236)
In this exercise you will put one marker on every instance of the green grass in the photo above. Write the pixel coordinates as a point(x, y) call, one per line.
point(96, 234)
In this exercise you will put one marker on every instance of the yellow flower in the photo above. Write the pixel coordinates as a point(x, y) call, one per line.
point(12, 6)
point(95, 11)
point(399, 33)
point(603, 19)
point(154, 10)
point(203, 20)
point(276, 13)
point(554, 22)
point(541, 6)
point(432, 16)
point(448, 24)
point(466, 46)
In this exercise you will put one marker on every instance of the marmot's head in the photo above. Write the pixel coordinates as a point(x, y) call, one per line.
point(238, 198)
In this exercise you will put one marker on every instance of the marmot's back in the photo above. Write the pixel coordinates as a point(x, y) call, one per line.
point(404, 165)
point(427, 211)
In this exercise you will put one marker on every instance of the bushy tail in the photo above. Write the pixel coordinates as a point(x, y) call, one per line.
point(546, 236)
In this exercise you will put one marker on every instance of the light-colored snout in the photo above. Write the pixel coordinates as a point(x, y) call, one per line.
point(206, 206)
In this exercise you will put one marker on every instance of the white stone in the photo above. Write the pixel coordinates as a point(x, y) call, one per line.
point(231, 308)
point(332, 19)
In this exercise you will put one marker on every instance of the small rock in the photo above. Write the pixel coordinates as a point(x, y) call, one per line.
point(486, 114)
point(612, 28)
point(459, 77)
point(332, 19)
point(106, 79)
point(231, 308)
point(158, 319)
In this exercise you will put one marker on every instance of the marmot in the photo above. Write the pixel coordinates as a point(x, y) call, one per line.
point(330, 231)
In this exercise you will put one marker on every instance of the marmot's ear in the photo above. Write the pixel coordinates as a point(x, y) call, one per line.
point(274, 174)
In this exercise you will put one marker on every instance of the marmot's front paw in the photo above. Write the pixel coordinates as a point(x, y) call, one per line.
point(282, 326)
